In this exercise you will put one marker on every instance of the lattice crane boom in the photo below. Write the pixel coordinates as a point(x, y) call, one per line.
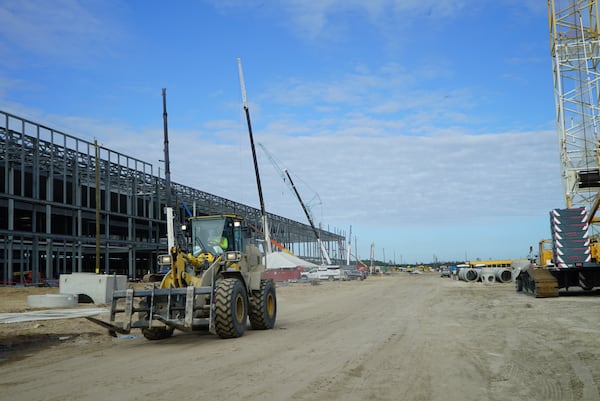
point(575, 49)
point(285, 175)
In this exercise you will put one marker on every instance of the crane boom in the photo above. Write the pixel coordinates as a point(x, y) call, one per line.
point(576, 70)
point(310, 221)
point(285, 176)
point(280, 170)
point(256, 172)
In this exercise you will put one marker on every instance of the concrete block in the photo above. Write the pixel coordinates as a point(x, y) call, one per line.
point(99, 287)
point(52, 301)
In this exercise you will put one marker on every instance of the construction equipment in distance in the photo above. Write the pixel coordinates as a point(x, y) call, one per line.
point(217, 286)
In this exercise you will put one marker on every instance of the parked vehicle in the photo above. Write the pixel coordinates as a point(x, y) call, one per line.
point(325, 273)
point(354, 275)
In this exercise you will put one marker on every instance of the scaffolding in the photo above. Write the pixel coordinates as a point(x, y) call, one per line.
point(49, 182)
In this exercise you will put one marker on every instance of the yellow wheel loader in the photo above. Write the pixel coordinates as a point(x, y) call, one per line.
point(217, 286)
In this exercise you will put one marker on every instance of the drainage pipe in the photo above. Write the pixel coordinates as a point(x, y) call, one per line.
point(487, 276)
point(503, 275)
point(468, 274)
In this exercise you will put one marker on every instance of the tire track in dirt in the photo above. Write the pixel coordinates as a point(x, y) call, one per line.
point(403, 337)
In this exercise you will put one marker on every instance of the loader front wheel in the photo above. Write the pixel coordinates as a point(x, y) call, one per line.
point(231, 308)
point(158, 333)
point(263, 306)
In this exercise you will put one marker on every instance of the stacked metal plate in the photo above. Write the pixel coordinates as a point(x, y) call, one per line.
point(570, 237)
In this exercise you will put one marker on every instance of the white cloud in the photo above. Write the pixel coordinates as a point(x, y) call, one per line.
point(312, 20)
point(384, 145)
point(61, 31)
point(361, 178)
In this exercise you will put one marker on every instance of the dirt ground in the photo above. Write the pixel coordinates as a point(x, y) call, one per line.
point(400, 337)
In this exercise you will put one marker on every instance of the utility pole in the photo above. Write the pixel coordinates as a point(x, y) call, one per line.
point(97, 156)
point(349, 246)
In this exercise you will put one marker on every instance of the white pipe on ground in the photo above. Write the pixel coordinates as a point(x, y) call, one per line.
point(468, 274)
point(503, 275)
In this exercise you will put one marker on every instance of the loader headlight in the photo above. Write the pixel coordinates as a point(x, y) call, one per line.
point(164, 259)
point(233, 256)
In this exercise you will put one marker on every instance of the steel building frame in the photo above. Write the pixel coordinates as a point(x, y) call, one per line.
point(48, 208)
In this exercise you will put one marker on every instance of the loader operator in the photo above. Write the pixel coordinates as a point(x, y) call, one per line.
point(224, 243)
point(219, 243)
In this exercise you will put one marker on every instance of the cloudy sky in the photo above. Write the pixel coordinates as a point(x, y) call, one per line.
point(427, 126)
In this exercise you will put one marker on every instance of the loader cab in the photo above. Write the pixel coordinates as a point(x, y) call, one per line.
point(218, 234)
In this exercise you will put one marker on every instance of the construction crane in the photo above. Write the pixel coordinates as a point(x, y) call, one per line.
point(315, 200)
point(575, 49)
point(309, 218)
point(285, 175)
point(575, 52)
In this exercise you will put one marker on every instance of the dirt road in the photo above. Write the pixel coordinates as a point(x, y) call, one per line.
point(402, 337)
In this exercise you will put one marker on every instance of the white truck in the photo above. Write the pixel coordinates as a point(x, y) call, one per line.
point(325, 273)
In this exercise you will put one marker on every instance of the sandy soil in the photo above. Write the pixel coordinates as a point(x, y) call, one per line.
point(400, 337)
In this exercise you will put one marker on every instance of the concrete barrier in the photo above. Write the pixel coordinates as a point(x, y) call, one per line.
point(98, 287)
point(52, 301)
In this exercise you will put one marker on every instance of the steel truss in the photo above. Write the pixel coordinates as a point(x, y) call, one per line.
point(48, 207)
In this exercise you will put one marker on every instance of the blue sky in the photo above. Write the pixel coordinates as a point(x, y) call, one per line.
point(426, 125)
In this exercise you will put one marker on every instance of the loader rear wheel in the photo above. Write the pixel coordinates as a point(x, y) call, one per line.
point(158, 333)
point(231, 308)
point(263, 306)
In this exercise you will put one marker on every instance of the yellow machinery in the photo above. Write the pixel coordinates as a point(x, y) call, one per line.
point(543, 277)
point(536, 278)
point(217, 286)
point(545, 253)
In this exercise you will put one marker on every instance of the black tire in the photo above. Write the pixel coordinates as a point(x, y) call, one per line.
point(584, 283)
point(154, 333)
point(263, 306)
point(158, 333)
point(519, 285)
point(231, 308)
